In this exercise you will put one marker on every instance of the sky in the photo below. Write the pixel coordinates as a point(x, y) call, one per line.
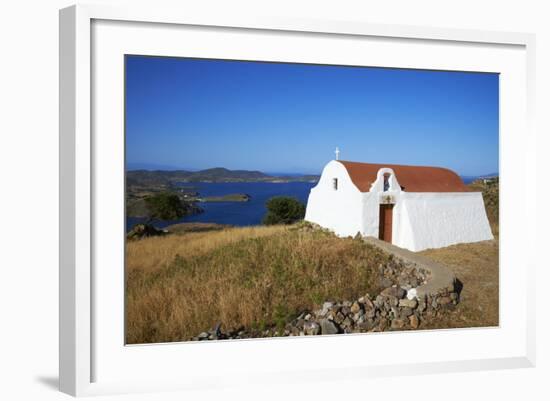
point(289, 118)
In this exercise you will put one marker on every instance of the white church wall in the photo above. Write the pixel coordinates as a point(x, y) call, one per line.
point(435, 220)
point(339, 210)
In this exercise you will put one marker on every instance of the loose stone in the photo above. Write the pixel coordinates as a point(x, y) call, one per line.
point(408, 303)
point(413, 321)
point(328, 327)
point(398, 323)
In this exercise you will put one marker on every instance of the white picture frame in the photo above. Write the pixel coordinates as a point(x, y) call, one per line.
point(81, 342)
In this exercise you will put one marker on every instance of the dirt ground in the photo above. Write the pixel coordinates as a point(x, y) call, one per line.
point(476, 267)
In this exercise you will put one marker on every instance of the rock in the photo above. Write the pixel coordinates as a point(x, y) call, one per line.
point(444, 300)
point(355, 307)
point(368, 303)
point(312, 328)
point(370, 313)
point(347, 322)
point(385, 282)
point(413, 321)
point(393, 301)
point(406, 312)
point(408, 303)
point(307, 317)
point(339, 318)
point(397, 292)
point(398, 323)
point(365, 326)
point(401, 293)
point(387, 292)
point(328, 327)
point(328, 305)
point(411, 294)
point(203, 336)
point(140, 231)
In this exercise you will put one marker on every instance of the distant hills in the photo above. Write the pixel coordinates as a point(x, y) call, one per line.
point(218, 174)
point(471, 178)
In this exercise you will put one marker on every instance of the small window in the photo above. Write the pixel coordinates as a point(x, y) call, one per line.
point(386, 181)
point(335, 183)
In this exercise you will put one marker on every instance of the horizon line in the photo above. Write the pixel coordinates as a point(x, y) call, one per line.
point(272, 173)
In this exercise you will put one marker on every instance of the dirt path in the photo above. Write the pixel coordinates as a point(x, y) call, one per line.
point(476, 267)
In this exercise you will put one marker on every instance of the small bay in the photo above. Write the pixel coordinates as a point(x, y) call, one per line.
point(234, 213)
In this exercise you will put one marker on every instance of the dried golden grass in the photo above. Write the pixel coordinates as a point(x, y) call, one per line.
point(158, 252)
point(178, 286)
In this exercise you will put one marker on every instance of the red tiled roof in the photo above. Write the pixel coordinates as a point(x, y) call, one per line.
point(411, 178)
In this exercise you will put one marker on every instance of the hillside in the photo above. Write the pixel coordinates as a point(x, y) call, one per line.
point(255, 277)
point(148, 178)
point(489, 188)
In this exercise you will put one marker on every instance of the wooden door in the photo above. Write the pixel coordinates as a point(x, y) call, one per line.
point(385, 222)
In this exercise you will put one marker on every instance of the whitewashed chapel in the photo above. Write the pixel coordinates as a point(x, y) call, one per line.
point(409, 206)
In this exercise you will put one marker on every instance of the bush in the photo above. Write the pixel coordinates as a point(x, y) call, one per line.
point(165, 206)
point(283, 210)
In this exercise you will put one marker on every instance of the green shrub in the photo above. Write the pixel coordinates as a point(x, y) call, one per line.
point(283, 210)
point(165, 206)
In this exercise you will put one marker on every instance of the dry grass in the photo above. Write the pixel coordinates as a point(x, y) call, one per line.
point(490, 192)
point(158, 253)
point(476, 266)
point(180, 285)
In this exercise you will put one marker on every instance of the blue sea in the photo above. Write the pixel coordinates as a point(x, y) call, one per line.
point(235, 213)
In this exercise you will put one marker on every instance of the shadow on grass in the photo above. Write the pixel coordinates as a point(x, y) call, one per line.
point(458, 286)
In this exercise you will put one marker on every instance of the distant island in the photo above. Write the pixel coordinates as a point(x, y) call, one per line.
point(226, 198)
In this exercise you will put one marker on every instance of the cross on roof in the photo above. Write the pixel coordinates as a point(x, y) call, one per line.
point(337, 152)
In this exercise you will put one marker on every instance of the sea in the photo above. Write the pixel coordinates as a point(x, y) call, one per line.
point(234, 213)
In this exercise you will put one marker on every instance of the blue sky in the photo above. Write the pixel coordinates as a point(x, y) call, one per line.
point(288, 118)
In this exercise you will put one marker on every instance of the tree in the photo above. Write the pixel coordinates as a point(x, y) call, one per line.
point(283, 210)
point(164, 206)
